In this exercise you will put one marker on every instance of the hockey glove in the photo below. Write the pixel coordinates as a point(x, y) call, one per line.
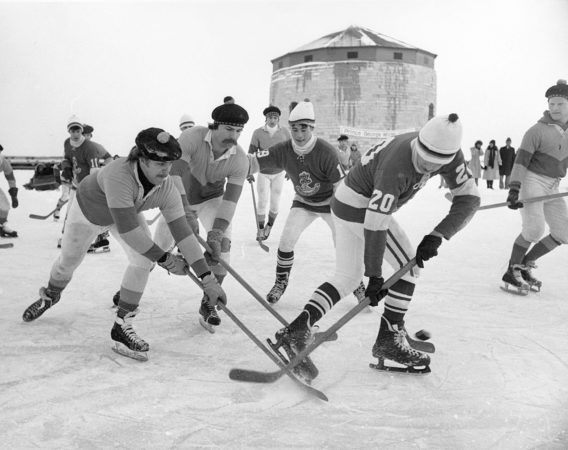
point(14, 194)
point(67, 174)
point(375, 291)
point(213, 290)
point(192, 221)
point(427, 249)
point(250, 178)
point(214, 241)
point(513, 199)
point(175, 264)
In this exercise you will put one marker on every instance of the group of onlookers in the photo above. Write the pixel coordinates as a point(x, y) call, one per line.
point(497, 163)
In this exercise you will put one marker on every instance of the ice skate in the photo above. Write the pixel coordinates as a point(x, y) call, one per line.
point(101, 244)
point(208, 317)
point(293, 339)
point(7, 232)
point(392, 345)
point(47, 298)
point(278, 289)
point(126, 341)
point(526, 272)
point(513, 281)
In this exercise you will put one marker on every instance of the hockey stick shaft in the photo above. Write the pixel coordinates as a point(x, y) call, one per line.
point(8, 245)
point(260, 345)
point(151, 221)
point(264, 377)
point(262, 246)
point(528, 200)
point(40, 217)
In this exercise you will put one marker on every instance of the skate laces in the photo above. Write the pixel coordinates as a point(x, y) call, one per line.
point(126, 327)
point(401, 342)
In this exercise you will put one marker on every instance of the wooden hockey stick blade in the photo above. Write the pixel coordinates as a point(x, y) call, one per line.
point(313, 391)
point(263, 246)
point(270, 377)
point(40, 217)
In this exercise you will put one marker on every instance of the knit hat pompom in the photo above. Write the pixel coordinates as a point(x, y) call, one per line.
point(560, 89)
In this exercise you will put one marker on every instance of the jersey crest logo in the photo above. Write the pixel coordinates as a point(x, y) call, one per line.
point(304, 187)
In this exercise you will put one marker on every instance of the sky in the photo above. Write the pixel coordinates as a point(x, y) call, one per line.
point(126, 66)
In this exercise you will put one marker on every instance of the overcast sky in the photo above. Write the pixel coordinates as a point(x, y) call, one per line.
point(125, 66)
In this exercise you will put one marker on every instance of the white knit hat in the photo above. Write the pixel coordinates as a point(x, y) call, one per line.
point(74, 122)
point(186, 121)
point(303, 112)
point(440, 139)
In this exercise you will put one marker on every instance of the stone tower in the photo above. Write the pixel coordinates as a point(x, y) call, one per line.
point(362, 84)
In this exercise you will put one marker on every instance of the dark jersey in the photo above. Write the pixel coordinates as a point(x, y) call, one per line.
point(313, 174)
point(82, 159)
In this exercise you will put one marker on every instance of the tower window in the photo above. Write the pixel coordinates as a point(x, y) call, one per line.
point(308, 58)
point(280, 64)
point(352, 55)
point(397, 55)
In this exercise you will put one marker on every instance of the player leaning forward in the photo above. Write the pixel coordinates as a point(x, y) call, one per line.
point(114, 198)
point(389, 175)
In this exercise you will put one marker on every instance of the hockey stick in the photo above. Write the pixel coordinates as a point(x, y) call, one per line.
point(250, 289)
point(270, 377)
point(263, 347)
point(40, 217)
point(262, 245)
point(541, 198)
point(8, 245)
point(151, 221)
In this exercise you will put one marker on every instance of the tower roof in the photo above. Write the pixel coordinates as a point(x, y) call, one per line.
point(354, 36)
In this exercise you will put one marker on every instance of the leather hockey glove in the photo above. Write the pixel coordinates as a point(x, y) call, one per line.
point(175, 264)
point(14, 194)
point(214, 238)
point(213, 289)
point(67, 174)
point(513, 199)
point(250, 178)
point(427, 249)
point(375, 290)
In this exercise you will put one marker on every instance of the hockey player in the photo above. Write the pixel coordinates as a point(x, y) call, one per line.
point(388, 176)
point(313, 167)
point(185, 122)
point(6, 167)
point(114, 198)
point(270, 181)
point(210, 177)
point(539, 166)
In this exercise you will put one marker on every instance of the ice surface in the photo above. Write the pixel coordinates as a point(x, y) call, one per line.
point(499, 377)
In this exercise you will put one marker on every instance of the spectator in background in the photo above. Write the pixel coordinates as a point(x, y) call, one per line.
point(354, 155)
point(343, 152)
point(6, 167)
point(492, 161)
point(507, 154)
point(474, 162)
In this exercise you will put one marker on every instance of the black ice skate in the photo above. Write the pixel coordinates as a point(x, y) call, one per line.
point(208, 317)
point(513, 281)
point(526, 272)
point(101, 244)
point(7, 232)
point(392, 344)
point(278, 289)
point(47, 298)
point(126, 341)
point(293, 339)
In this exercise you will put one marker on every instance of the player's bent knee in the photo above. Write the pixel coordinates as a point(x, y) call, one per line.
point(225, 245)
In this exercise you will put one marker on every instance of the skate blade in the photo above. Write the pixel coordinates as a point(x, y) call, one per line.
point(123, 350)
point(535, 287)
point(415, 370)
point(207, 326)
point(514, 290)
point(99, 250)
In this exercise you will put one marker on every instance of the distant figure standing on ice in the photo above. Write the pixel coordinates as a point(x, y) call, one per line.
point(474, 163)
point(6, 167)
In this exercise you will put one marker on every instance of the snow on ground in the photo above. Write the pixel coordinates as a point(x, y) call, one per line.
point(499, 377)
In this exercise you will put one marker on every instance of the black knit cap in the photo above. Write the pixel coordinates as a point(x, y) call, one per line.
point(158, 145)
point(230, 114)
point(87, 129)
point(271, 109)
point(560, 89)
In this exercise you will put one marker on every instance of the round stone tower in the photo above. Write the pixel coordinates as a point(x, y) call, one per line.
point(362, 84)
